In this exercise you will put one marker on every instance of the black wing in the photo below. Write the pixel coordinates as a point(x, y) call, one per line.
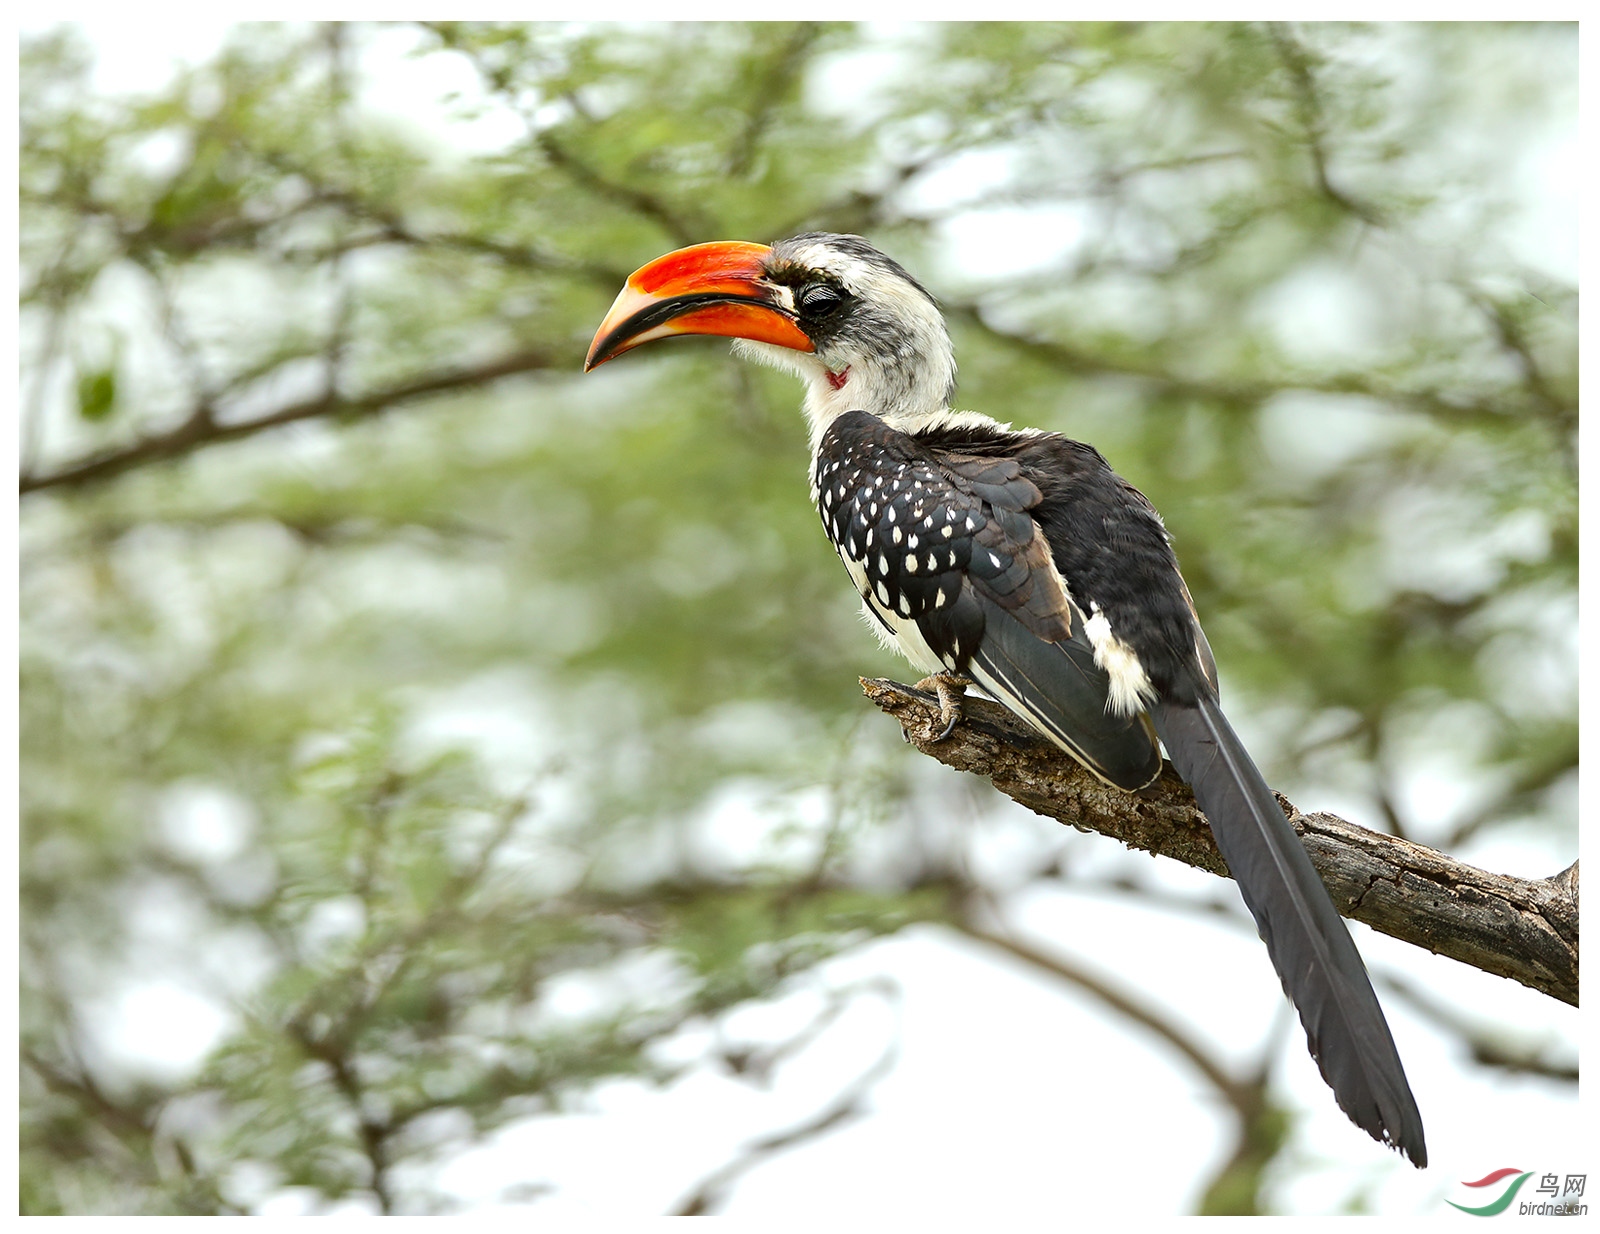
point(944, 542)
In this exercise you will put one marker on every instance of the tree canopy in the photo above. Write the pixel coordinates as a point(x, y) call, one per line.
point(383, 679)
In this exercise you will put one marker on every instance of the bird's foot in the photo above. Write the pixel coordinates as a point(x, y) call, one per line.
point(950, 688)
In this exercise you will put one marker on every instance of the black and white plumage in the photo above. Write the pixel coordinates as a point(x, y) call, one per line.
point(942, 543)
point(1020, 560)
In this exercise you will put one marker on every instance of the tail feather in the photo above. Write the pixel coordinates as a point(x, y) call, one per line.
point(1308, 943)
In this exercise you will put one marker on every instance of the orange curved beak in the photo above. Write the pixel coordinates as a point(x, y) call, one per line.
point(715, 288)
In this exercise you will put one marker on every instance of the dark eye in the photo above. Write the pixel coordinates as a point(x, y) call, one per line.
point(820, 299)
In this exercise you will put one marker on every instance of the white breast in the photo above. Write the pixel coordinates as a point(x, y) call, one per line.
point(894, 631)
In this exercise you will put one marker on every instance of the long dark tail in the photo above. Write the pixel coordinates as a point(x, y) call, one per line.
point(1319, 965)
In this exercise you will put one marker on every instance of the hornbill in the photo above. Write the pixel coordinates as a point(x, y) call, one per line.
point(1017, 559)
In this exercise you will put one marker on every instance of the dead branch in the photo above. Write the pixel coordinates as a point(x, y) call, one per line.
point(1525, 929)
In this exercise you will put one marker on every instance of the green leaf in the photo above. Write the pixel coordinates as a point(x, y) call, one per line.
point(97, 394)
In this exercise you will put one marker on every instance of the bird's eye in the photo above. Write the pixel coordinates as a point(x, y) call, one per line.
point(820, 299)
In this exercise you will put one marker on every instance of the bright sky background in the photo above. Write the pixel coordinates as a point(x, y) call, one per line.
point(998, 1138)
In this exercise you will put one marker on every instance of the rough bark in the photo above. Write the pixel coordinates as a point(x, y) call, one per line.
point(1525, 929)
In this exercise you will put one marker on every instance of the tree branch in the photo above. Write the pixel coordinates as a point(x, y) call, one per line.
point(1525, 929)
point(1313, 124)
point(779, 85)
point(201, 429)
point(1494, 408)
point(1118, 1001)
point(848, 1106)
point(1260, 1126)
point(1489, 1045)
point(374, 1134)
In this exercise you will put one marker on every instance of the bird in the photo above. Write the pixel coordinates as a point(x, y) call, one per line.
point(1016, 559)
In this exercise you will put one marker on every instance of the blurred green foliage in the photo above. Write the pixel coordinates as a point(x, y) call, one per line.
point(1278, 299)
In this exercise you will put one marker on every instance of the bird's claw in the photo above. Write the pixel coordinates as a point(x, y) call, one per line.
point(950, 688)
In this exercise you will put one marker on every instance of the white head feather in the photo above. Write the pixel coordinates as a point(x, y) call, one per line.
point(894, 356)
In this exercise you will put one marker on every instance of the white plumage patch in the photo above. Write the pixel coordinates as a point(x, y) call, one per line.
point(901, 383)
point(1130, 686)
point(893, 631)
